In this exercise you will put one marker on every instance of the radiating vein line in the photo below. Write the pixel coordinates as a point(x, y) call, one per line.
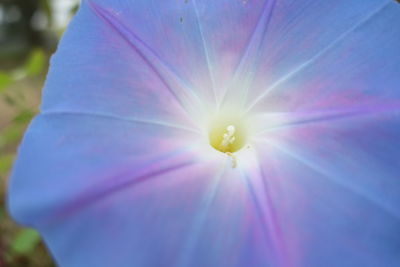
point(317, 55)
point(253, 47)
point(205, 50)
point(189, 246)
point(331, 178)
point(89, 198)
point(267, 217)
point(149, 56)
point(115, 117)
point(322, 117)
point(280, 243)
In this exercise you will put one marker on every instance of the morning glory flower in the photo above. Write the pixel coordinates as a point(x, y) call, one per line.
point(218, 133)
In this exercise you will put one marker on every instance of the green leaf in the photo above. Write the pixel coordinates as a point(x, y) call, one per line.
point(24, 117)
point(25, 241)
point(35, 63)
point(5, 80)
point(6, 163)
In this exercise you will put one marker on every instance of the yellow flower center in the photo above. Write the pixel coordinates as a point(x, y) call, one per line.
point(227, 135)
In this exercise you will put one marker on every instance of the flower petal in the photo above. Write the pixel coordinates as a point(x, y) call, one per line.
point(168, 220)
point(331, 142)
point(69, 159)
point(349, 56)
point(336, 189)
point(132, 193)
point(105, 192)
point(202, 41)
point(97, 70)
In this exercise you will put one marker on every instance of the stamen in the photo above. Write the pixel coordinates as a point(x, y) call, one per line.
point(228, 138)
point(234, 160)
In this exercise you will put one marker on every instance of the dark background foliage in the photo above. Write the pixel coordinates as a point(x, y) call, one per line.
point(29, 32)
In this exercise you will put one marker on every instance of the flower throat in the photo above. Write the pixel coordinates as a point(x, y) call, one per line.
point(227, 135)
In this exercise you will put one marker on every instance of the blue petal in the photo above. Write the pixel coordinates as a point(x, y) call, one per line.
point(201, 42)
point(69, 159)
point(333, 146)
point(321, 54)
point(336, 187)
point(98, 70)
point(105, 192)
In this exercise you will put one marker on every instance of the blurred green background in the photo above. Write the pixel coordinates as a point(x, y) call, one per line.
point(29, 32)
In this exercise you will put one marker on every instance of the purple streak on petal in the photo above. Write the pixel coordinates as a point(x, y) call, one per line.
point(121, 182)
point(354, 68)
point(96, 70)
point(143, 225)
point(150, 224)
point(310, 163)
point(339, 201)
point(180, 89)
point(193, 37)
point(188, 249)
point(227, 27)
point(256, 183)
point(249, 60)
point(293, 119)
point(322, 52)
point(80, 155)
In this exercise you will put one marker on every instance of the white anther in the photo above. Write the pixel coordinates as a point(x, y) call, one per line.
point(228, 138)
point(231, 130)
